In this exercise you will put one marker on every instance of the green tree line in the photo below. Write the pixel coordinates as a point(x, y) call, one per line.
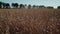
point(16, 5)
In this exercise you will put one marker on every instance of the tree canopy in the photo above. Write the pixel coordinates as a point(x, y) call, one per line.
point(16, 5)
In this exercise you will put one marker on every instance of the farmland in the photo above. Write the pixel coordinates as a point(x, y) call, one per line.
point(29, 21)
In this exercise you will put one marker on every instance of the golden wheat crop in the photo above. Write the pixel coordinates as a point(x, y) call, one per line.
point(29, 21)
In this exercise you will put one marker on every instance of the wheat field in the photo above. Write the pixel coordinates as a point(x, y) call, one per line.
point(29, 21)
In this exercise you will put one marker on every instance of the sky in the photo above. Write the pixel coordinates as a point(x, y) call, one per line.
point(53, 3)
